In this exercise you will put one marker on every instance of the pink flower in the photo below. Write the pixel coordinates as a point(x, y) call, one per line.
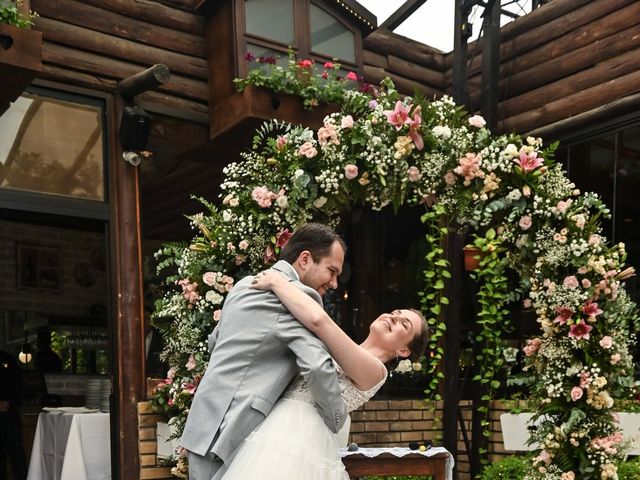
point(477, 121)
point(528, 161)
point(586, 283)
point(171, 373)
point(449, 178)
point(243, 245)
point(352, 76)
point(209, 278)
point(328, 65)
point(191, 363)
point(615, 358)
point(269, 255)
point(282, 237)
point(216, 315)
point(399, 116)
point(564, 314)
point(525, 222)
point(350, 171)
point(305, 63)
point(580, 330)
point(469, 167)
point(562, 205)
point(414, 174)
point(262, 196)
point(591, 309)
point(606, 342)
point(189, 388)
point(532, 346)
point(307, 150)
point(570, 282)
point(543, 457)
point(576, 393)
point(414, 128)
point(328, 134)
point(346, 122)
point(281, 142)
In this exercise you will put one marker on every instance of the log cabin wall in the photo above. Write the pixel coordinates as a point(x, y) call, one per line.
point(95, 43)
point(411, 65)
point(564, 59)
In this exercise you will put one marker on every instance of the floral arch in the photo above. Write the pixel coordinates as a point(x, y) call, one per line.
point(382, 150)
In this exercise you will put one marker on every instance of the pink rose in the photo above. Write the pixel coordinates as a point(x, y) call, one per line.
point(449, 178)
point(351, 171)
point(262, 196)
point(414, 174)
point(191, 363)
point(615, 358)
point(606, 342)
point(586, 283)
point(216, 315)
point(307, 150)
point(533, 345)
point(352, 76)
point(525, 222)
point(477, 121)
point(243, 245)
point(576, 393)
point(347, 122)
point(562, 205)
point(209, 278)
point(328, 65)
point(570, 282)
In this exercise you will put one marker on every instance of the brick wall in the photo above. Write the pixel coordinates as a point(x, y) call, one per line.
point(75, 247)
point(378, 423)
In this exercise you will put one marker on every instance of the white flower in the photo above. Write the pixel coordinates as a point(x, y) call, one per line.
point(442, 131)
point(319, 202)
point(282, 201)
point(403, 366)
point(213, 297)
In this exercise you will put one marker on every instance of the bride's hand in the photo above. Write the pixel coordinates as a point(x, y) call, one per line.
point(266, 280)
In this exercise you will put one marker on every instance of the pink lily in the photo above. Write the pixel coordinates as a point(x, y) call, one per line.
point(415, 127)
point(399, 116)
point(529, 161)
point(591, 309)
point(564, 314)
point(580, 330)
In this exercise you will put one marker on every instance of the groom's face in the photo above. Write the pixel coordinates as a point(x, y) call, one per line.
point(322, 274)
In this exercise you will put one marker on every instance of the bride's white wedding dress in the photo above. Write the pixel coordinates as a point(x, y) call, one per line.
point(293, 443)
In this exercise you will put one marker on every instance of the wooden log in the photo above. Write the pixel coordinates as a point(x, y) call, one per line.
point(140, 82)
point(154, 12)
point(188, 5)
point(415, 72)
point(77, 13)
point(123, 49)
point(528, 40)
point(617, 108)
point(599, 74)
point(579, 102)
point(570, 53)
point(407, 86)
point(95, 64)
point(386, 42)
point(375, 59)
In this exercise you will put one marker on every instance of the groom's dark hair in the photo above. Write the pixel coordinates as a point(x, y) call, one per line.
point(314, 237)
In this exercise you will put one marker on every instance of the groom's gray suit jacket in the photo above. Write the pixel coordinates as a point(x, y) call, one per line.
point(257, 348)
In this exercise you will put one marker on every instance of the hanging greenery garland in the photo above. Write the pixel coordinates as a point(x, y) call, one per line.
point(383, 150)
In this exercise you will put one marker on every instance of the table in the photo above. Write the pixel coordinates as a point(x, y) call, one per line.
point(436, 461)
point(71, 446)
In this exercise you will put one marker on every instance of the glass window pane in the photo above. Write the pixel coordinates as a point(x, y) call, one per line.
point(271, 19)
point(52, 146)
point(330, 37)
point(261, 57)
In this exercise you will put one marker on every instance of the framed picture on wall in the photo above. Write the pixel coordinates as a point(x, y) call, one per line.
point(38, 267)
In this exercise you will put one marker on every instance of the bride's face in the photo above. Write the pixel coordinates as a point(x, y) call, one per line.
point(394, 331)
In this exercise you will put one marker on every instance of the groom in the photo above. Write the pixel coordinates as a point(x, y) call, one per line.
point(257, 348)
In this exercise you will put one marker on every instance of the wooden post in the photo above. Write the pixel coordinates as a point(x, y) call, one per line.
point(460, 35)
point(129, 372)
point(136, 84)
point(491, 63)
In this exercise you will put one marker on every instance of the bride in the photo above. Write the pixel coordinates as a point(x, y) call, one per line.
point(293, 442)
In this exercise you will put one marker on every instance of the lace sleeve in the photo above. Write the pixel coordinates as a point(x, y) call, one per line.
point(354, 397)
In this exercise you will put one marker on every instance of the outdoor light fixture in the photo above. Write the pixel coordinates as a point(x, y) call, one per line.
point(26, 353)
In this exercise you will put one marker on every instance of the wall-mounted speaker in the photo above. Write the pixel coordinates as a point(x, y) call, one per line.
point(134, 128)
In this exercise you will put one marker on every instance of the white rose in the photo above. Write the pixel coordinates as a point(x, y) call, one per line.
point(282, 201)
point(441, 131)
point(213, 297)
point(403, 366)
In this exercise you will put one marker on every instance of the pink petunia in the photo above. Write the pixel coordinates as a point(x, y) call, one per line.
point(580, 330)
point(528, 161)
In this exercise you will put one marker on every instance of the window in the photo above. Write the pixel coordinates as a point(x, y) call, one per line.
point(270, 19)
point(330, 37)
point(53, 146)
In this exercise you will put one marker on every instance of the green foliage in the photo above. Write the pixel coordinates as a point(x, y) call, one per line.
point(509, 468)
point(10, 14)
point(399, 477)
point(629, 470)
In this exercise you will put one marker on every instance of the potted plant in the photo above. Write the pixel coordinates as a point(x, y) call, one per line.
point(20, 51)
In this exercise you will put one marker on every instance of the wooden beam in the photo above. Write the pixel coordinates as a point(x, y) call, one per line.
point(412, 71)
point(389, 43)
point(617, 108)
point(148, 79)
point(407, 86)
point(120, 48)
point(491, 63)
point(98, 19)
point(407, 9)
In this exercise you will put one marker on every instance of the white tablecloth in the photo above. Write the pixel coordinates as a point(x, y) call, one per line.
point(71, 447)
